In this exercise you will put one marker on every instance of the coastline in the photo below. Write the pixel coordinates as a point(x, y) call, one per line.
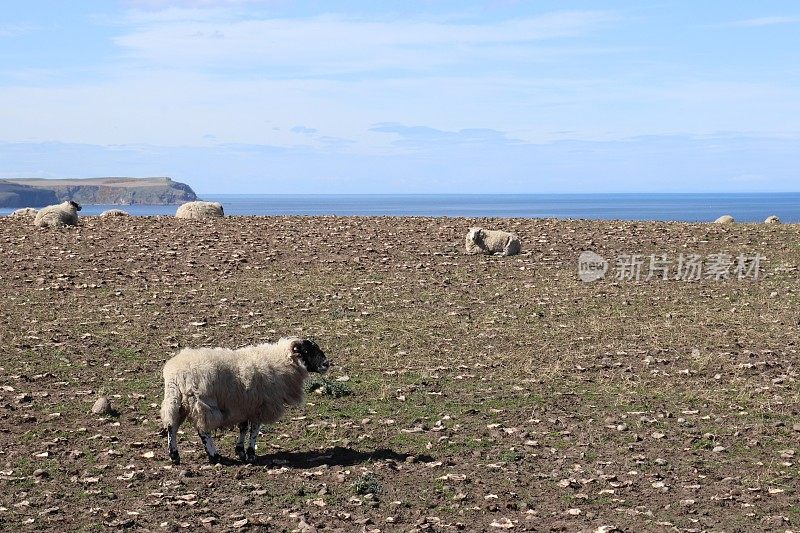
point(749, 208)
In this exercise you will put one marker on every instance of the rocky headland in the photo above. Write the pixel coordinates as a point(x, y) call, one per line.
point(118, 191)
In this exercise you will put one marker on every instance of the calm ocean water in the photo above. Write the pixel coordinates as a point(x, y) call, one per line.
point(683, 207)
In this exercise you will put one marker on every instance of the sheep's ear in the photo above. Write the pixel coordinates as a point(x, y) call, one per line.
point(297, 349)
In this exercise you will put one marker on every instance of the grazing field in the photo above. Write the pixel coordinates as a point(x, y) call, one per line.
point(469, 392)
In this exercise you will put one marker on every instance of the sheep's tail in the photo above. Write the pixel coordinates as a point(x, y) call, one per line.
point(179, 404)
point(171, 410)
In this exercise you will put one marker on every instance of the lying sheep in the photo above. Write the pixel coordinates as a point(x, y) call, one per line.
point(114, 213)
point(222, 388)
point(725, 219)
point(772, 220)
point(200, 209)
point(25, 212)
point(484, 241)
point(56, 216)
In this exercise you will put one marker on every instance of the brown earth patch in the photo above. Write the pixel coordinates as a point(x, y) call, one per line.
point(486, 393)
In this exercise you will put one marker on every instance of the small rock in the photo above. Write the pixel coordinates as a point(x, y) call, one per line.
point(305, 527)
point(502, 523)
point(102, 406)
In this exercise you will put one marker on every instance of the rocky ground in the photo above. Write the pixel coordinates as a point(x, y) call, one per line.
point(469, 392)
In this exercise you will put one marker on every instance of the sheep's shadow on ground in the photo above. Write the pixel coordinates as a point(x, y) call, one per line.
point(336, 456)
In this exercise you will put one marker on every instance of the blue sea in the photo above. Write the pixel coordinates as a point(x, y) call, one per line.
point(745, 207)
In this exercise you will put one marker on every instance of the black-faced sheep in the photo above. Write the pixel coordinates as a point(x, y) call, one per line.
point(200, 209)
point(484, 241)
point(222, 388)
point(57, 216)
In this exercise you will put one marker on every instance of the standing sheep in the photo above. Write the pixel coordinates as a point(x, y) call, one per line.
point(57, 216)
point(222, 388)
point(25, 212)
point(200, 209)
point(484, 241)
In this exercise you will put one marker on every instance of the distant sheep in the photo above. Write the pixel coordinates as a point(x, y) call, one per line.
point(200, 209)
point(484, 241)
point(25, 212)
point(57, 216)
point(772, 220)
point(222, 388)
point(725, 219)
point(114, 213)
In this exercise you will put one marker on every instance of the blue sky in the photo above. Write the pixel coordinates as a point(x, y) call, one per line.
point(236, 96)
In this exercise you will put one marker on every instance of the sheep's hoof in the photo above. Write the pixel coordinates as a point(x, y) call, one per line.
point(240, 453)
point(251, 456)
point(175, 457)
point(215, 459)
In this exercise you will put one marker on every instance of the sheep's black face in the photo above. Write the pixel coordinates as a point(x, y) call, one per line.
point(76, 205)
point(311, 355)
point(475, 235)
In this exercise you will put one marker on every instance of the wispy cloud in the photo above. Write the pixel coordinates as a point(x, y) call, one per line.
point(423, 136)
point(302, 130)
point(314, 45)
point(765, 21)
point(14, 30)
point(193, 3)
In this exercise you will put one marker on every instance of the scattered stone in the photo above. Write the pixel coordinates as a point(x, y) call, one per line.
point(502, 523)
point(102, 406)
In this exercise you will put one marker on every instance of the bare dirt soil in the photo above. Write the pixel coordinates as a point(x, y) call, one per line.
point(469, 393)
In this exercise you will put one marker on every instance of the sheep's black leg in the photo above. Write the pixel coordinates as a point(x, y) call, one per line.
point(251, 445)
point(243, 427)
point(208, 443)
point(172, 444)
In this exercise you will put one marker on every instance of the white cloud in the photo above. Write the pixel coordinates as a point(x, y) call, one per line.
point(160, 4)
point(334, 44)
point(14, 30)
point(765, 21)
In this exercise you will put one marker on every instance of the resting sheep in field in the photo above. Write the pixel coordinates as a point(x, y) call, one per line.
point(25, 212)
point(56, 216)
point(485, 241)
point(200, 209)
point(772, 220)
point(114, 213)
point(725, 219)
point(247, 387)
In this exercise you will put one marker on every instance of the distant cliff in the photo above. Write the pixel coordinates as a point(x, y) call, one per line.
point(119, 191)
point(15, 195)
